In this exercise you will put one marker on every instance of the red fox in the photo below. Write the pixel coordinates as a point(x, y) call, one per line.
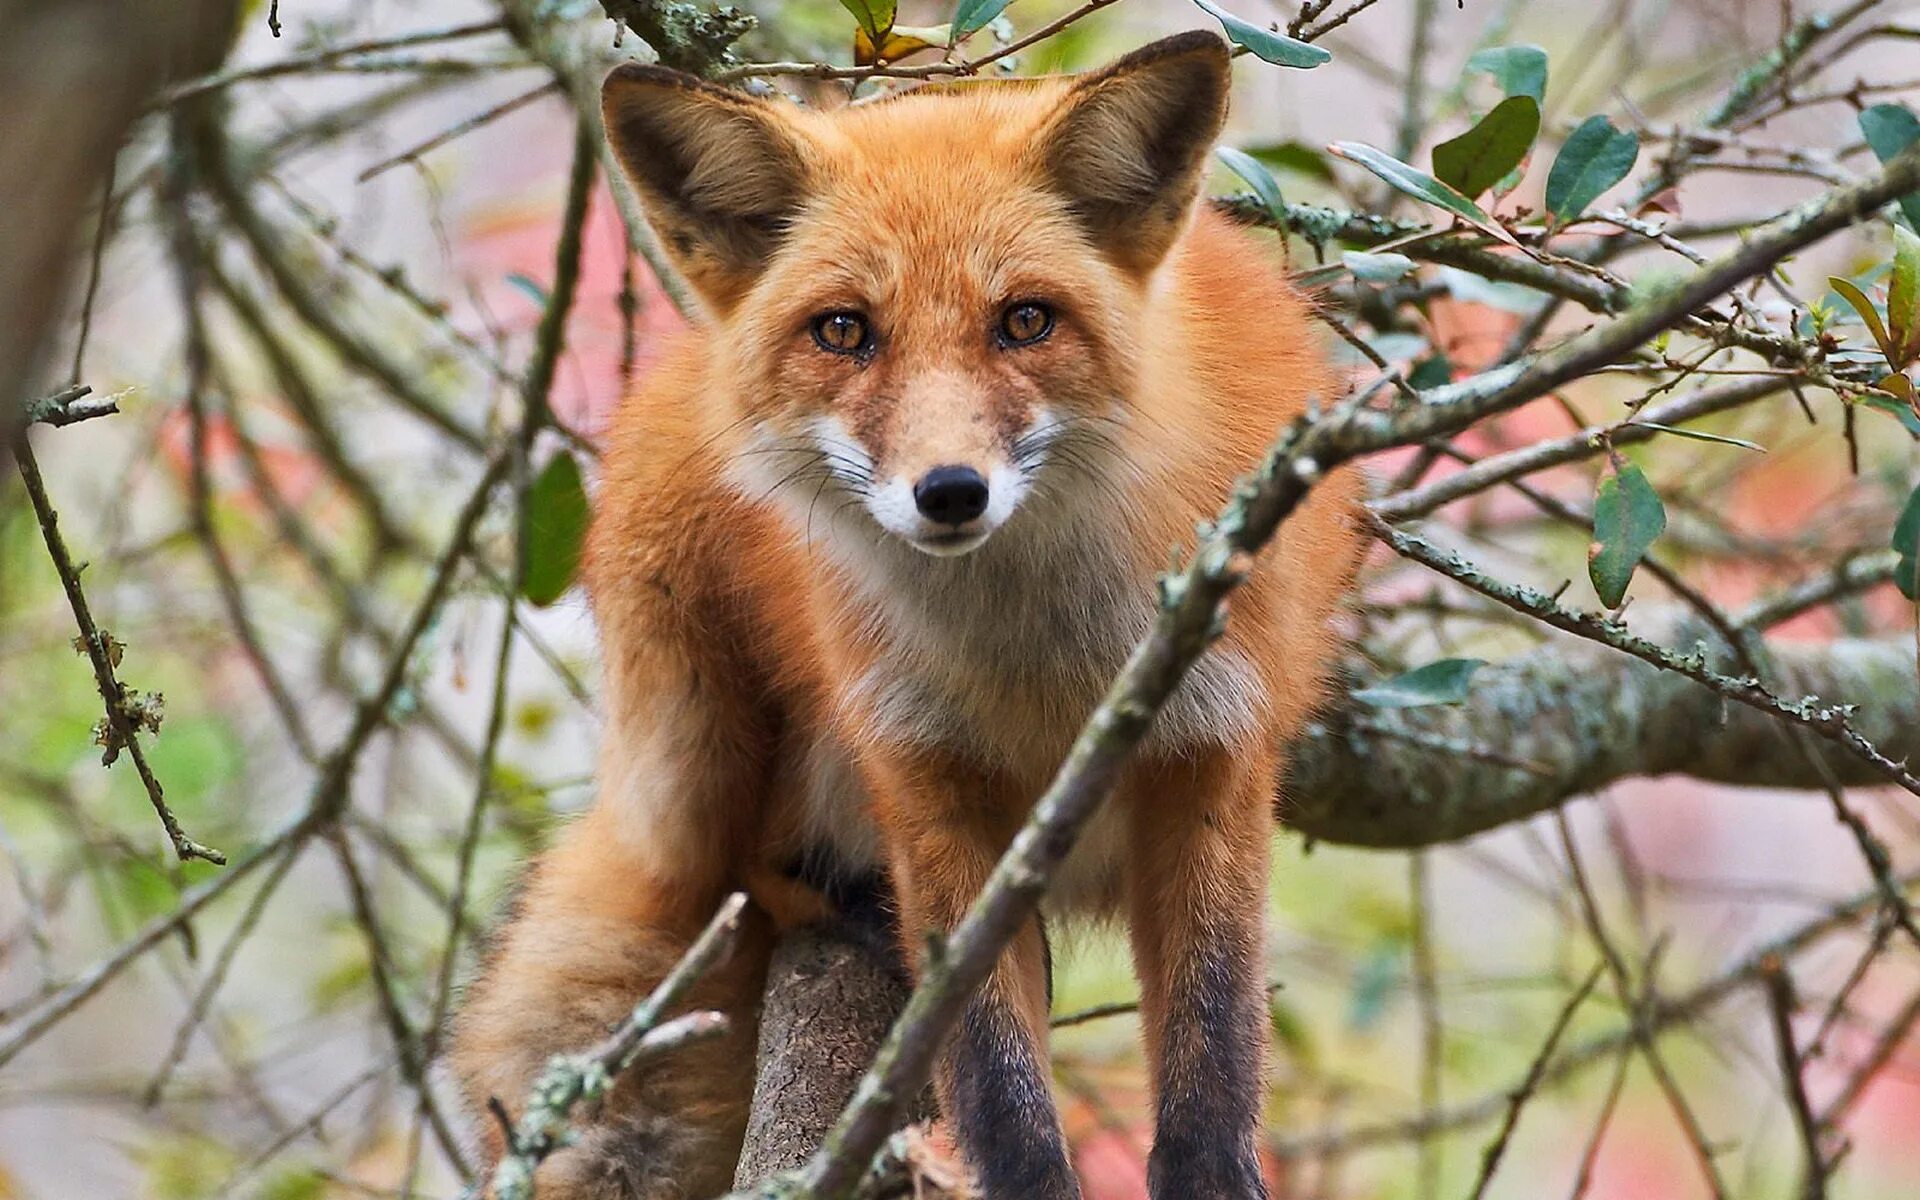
point(870, 545)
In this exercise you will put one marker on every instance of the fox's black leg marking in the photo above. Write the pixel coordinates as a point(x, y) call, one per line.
point(1003, 1110)
point(1211, 1080)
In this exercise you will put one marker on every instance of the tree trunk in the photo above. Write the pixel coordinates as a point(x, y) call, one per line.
point(74, 74)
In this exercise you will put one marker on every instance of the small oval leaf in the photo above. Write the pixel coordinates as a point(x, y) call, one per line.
point(1858, 300)
point(1421, 186)
point(1627, 518)
point(1496, 146)
point(1902, 412)
point(1274, 47)
point(1377, 268)
point(971, 16)
point(1519, 70)
point(1906, 543)
point(1442, 682)
point(1903, 298)
point(1889, 129)
point(1595, 157)
point(555, 530)
point(1295, 157)
point(1255, 175)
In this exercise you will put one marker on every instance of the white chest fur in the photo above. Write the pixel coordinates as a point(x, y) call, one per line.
point(999, 657)
point(1003, 654)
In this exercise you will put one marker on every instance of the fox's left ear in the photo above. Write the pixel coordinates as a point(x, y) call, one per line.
point(1129, 147)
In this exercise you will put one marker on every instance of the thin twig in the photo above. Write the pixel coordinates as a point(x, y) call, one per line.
point(1530, 1084)
point(125, 710)
point(1780, 1007)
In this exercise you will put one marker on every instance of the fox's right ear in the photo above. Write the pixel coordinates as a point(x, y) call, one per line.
point(1129, 146)
point(718, 172)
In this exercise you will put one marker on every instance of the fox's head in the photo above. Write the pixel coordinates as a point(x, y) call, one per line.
point(929, 307)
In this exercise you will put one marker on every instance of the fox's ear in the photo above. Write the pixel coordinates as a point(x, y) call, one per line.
point(718, 172)
point(1129, 147)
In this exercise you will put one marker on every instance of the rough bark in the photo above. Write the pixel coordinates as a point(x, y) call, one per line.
point(1583, 716)
point(831, 994)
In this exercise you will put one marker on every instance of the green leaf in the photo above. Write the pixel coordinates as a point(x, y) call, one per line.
point(1596, 157)
point(1906, 543)
point(1519, 70)
point(1851, 293)
point(294, 1183)
point(1296, 157)
point(1889, 129)
point(533, 291)
point(1255, 174)
point(556, 529)
point(1903, 297)
point(1496, 145)
point(1276, 48)
point(1291, 1031)
point(1442, 682)
point(1377, 268)
point(1627, 517)
point(971, 16)
point(875, 16)
point(1430, 372)
point(1421, 186)
point(1374, 981)
point(1902, 412)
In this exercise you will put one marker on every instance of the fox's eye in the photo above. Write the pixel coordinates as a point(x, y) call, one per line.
point(841, 332)
point(1025, 323)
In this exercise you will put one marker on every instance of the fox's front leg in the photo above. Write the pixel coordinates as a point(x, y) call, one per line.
point(1197, 895)
point(946, 825)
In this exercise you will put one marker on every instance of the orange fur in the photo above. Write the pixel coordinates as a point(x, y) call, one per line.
point(787, 673)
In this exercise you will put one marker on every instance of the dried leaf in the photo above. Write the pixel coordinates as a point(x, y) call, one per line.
point(900, 41)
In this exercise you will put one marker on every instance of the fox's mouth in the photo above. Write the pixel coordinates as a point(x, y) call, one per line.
point(949, 545)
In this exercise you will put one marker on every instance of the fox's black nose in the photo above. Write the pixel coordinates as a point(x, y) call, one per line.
point(951, 495)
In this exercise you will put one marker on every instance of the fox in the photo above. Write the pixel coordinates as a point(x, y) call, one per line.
point(871, 540)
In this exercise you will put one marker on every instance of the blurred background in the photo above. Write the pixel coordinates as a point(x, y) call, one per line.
point(389, 230)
